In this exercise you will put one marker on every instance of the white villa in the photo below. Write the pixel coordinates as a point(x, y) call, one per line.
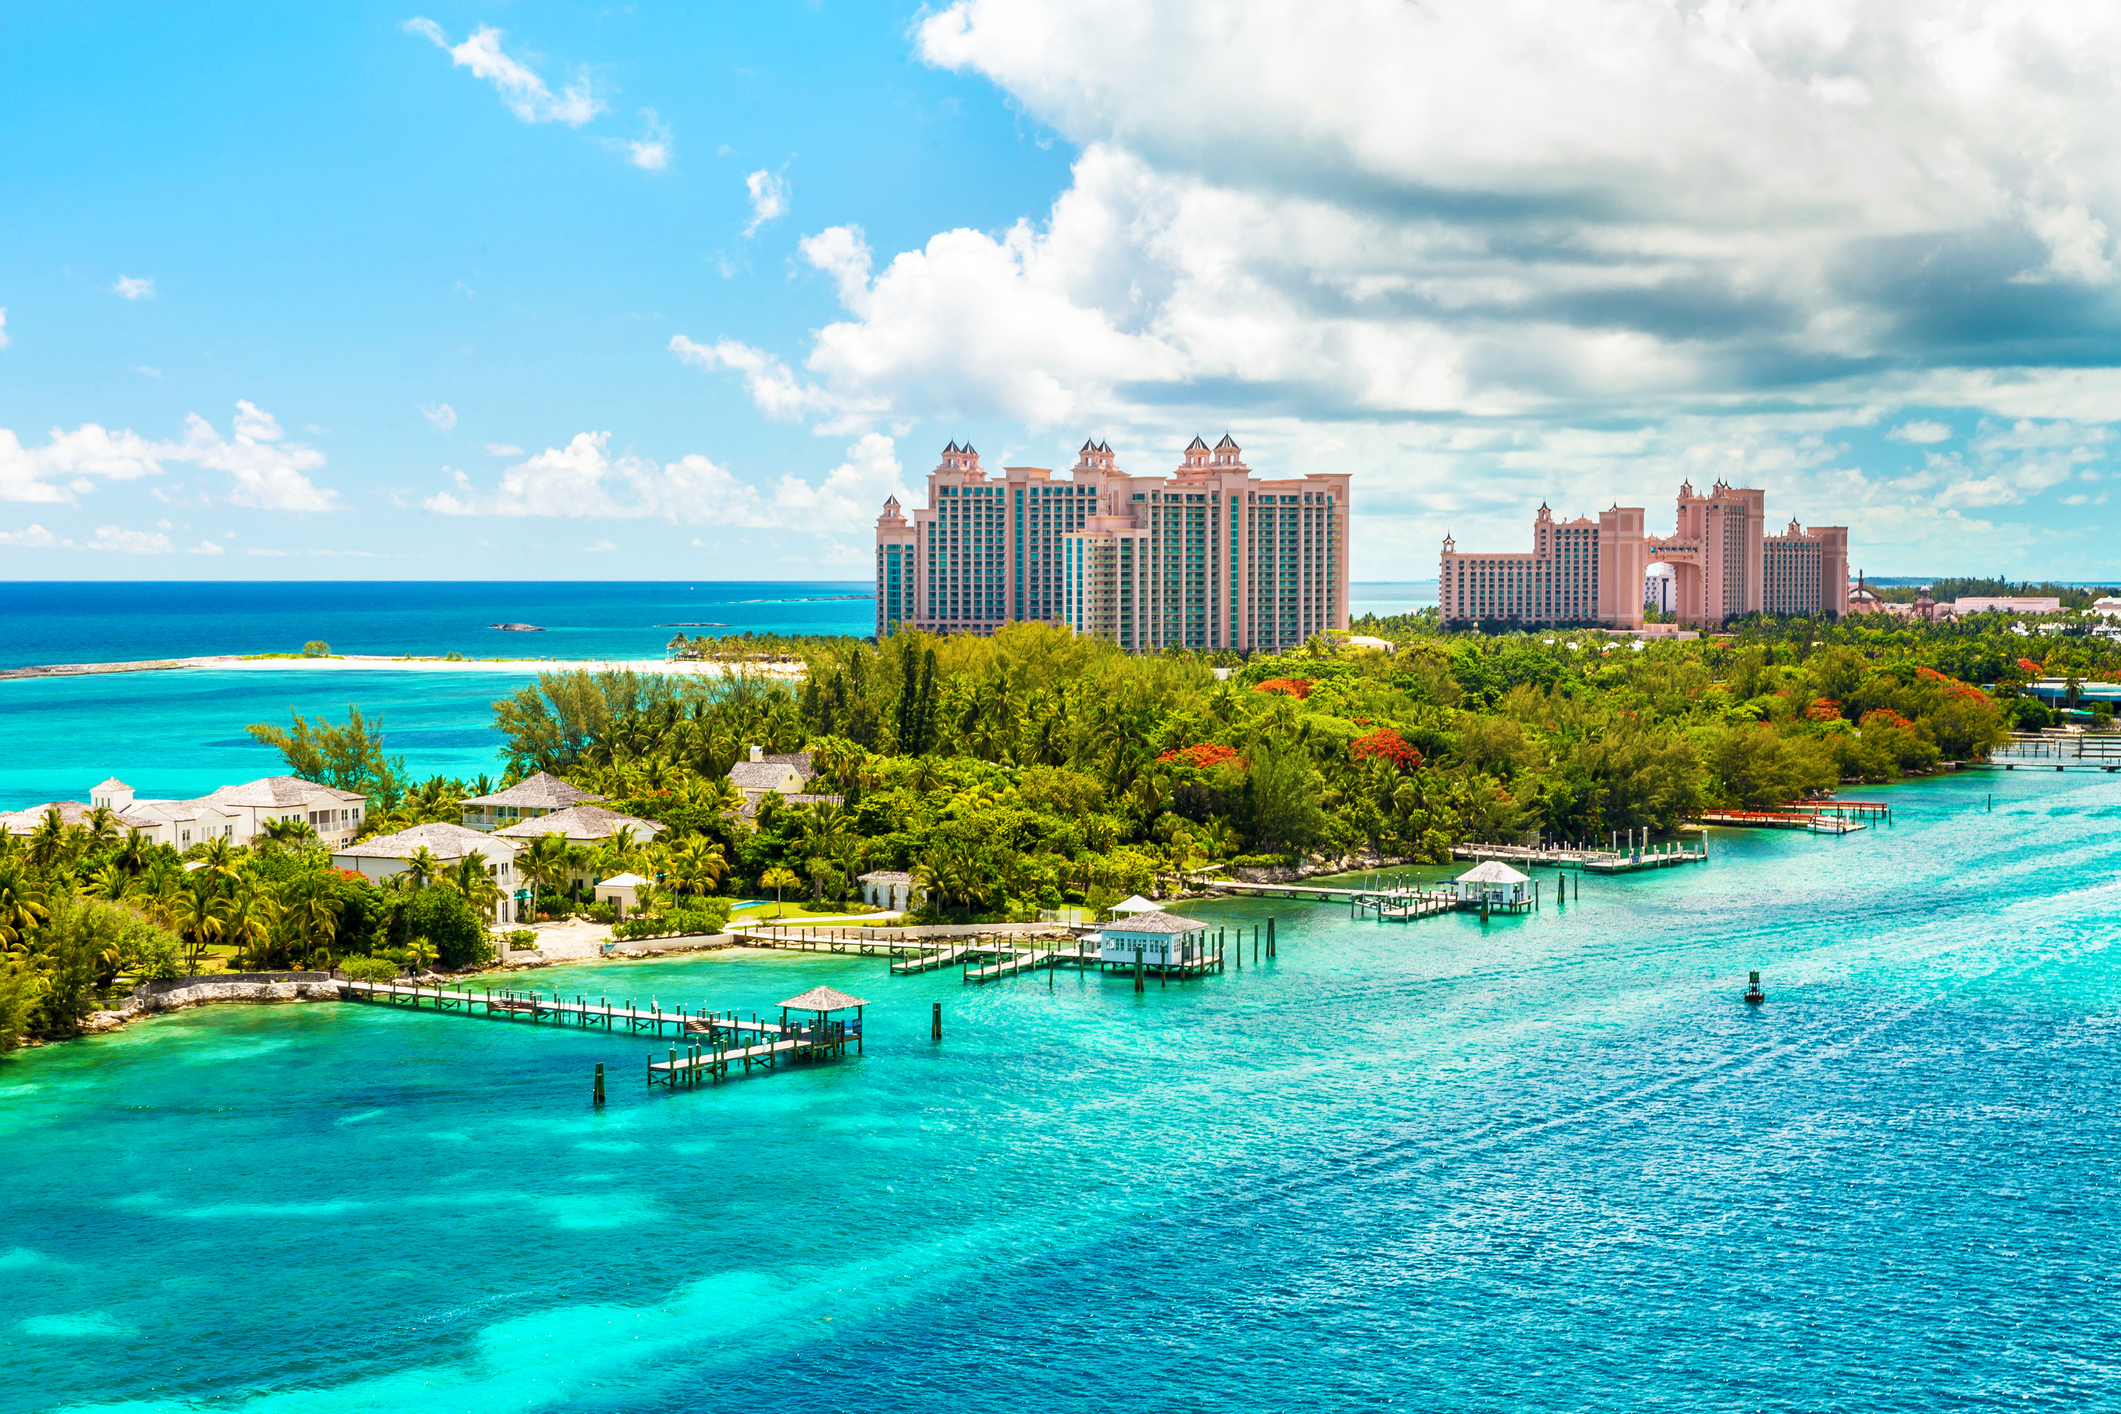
point(888, 888)
point(1162, 937)
point(527, 799)
point(237, 814)
point(383, 856)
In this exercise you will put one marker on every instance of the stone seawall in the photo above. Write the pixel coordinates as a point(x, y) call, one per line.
point(177, 993)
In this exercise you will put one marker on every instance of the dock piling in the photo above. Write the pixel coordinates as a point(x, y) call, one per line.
point(935, 1023)
point(599, 1092)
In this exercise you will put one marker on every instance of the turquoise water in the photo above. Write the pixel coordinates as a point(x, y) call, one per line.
point(176, 735)
point(1545, 1163)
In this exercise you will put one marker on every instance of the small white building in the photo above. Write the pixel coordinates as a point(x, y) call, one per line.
point(528, 799)
point(888, 888)
point(1160, 937)
point(622, 892)
point(1494, 884)
point(384, 856)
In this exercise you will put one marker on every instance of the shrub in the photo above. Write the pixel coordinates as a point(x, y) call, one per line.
point(370, 969)
point(522, 938)
point(451, 926)
point(316, 648)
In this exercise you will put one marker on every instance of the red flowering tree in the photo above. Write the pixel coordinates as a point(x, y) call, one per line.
point(1823, 709)
point(1292, 687)
point(1384, 744)
point(1207, 755)
point(1886, 717)
point(2029, 667)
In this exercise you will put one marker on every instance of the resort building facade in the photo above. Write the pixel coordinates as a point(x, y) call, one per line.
point(1210, 556)
point(1716, 565)
point(237, 814)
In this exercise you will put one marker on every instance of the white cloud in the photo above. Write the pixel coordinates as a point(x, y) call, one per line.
point(1921, 433)
point(652, 151)
point(522, 91)
point(599, 548)
point(584, 480)
point(769, 198)
point(503, 449)
point(131, 288)
point(441, 415)
point(264, 472)
point(129, 542)
point(34, 538)
point(209, 547)
point(3, 326)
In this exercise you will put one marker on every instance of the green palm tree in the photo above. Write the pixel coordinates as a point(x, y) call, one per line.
point(290, 834)
point(472, 880)
point(699, 865)
point(312, 916)
point(135, 851)
point(22, 906)
point(544, 864)
point(778, 879)
point(201, 916)
point(422, 866)
point(48, 840)
point(253, 910)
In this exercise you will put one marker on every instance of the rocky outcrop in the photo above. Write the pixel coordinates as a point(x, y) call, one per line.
point(177, 993)
point(1313, 867)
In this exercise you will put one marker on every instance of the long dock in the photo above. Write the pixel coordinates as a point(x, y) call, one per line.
point(1589, 858)
point(713, 1057)
point(1807, 820)
point(2058, 751)
point(581, 1012)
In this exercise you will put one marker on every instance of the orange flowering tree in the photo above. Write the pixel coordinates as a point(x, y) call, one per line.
point(1206, 756)
point(1292, 687)
point(1384, 744)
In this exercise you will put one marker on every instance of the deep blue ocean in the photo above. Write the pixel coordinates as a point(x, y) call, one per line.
point(177, 735)
point(1545, 1163)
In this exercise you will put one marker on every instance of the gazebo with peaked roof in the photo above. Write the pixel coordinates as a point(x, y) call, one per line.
point(824, 1032)
point(1494, 884)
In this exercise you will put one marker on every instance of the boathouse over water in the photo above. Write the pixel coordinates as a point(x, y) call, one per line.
point(1161, 938)
point(1494, 885)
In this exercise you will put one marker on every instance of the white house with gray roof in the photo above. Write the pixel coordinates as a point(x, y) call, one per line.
point(528, 799)
point(238, 814)
point(383, 856)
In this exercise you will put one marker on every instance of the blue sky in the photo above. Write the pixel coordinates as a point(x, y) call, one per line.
point(546, 291)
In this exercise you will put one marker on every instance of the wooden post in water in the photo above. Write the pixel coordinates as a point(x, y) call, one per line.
point(599, 1092)
point(935, 1023)
point(1137, 967)
point(1270, 937)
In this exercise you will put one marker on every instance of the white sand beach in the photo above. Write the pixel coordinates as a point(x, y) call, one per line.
point(360, 662)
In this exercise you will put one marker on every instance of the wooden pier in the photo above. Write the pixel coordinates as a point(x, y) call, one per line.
point(1590, 859)
point(585, 1013)
point(1405, 905)
point(724, 1042)
point(2058, 751)
point(1783, 819)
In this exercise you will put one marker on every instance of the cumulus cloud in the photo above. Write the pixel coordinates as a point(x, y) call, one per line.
point(131, 288)
point(1921, 432)
point(441, 416)
point(129, 542)
point(36, 537)
point(599, 547)
point(652, 151)
point(264, 470)
point(586, 480)
point(769, 198)
point(522, 91)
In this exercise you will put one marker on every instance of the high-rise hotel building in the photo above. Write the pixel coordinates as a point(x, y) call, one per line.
point(1720, 562)
point(1210, 556)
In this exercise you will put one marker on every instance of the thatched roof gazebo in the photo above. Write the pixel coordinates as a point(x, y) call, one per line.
point(821, 1002)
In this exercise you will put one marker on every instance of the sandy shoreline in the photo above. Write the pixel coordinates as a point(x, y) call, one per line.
point(359, 662)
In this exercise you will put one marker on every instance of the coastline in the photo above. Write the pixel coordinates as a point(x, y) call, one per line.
point(361, 662)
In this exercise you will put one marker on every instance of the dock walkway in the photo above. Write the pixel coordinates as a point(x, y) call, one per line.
point(581, 1011)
